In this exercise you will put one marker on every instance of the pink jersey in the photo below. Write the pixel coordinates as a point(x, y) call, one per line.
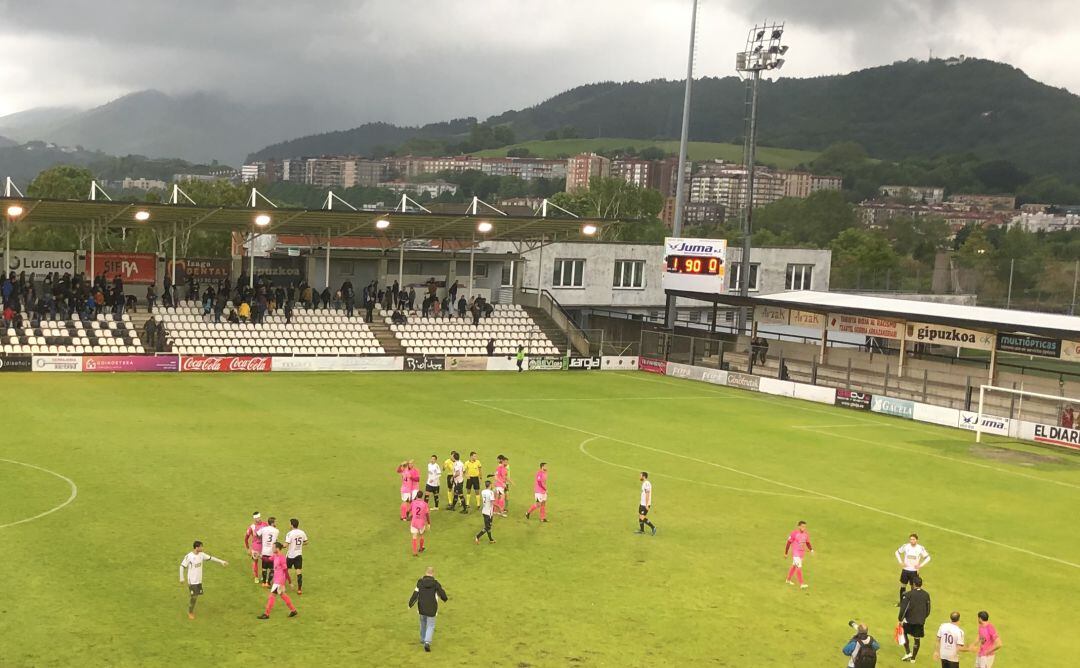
point(406, 479)
point(419, 512)
point(414, 480)
point(251, 536)
point(281, 569)
point(798, 541)
point(501, 474)
point(541, 482)
point(987, 638)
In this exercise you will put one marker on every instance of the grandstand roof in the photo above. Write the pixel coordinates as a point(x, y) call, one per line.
point(339, 223)
point(908, 310)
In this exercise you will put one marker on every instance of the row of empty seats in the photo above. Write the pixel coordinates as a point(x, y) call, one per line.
point(509, 326)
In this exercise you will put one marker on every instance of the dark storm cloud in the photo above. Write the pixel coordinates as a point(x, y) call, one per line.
point(421, 60)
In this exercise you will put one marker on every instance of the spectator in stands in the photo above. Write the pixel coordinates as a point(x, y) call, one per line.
point(307, 296)
point(475, 311)
point(491, 347)
point(436, 307)
point(394, 294)
point(462, 305)
point(151, 298)
point(150, 334)
point(425, 306)
point(784, 375)
point(412, 298)
point(207, 300)
point(398, 318)
point(261, 304)
point(219, 305)
point(233, 318)
point(369, 307)
point(47, 282)
point(192, 288)
point(99, 302)
point(245, 311)
point(452, 292)
point(445, 307)
point(279, 297)
point(288, 312)
point(1068, 418)
point(166, 291)
point(290, 294)
point(403, 299)
point(489, 309)
point(50, 303)
point(9, 316)
point(326, 297)
point(432, 286)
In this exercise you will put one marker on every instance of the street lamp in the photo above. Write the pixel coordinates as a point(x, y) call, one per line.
point(589, 230)
point(763, 53)
point(484, 227)
point(382, 224)
point(13, 211)
point(142, 216)
point(261, 220)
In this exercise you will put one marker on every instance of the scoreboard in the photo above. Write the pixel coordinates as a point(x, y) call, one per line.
point(698, 265)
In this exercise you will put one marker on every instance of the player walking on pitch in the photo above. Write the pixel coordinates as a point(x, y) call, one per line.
point(296, 539)
point(540, 493)
point(253, 544)
point(798, 542)
point(458, 479)
point(193, 562)
point(268, 535)
point(407, 472)
point(421, 520)
point(448, 469)
point(281, 576)
point(473, 472)
point(912, 557)
point(487, 509)
point(434, 475)
point(502, 483)
point(645, 505)
point(950, 642)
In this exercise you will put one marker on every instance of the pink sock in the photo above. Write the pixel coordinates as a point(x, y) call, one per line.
point(798, 575)
point(532, 508)
point(270, 604)
point(791, 571)
point(414, 545)
point(404, 510)
point(255, 567)
point(543, 512)
point(421, 542)
point(288, 602)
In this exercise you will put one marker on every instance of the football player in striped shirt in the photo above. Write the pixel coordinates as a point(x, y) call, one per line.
point(296, 539)
point(193, 562)
point(645, 505)
point(252, 543)
point(911, 557)
point(279, 564)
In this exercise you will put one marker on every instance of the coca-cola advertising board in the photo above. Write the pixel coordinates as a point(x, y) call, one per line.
point(132, 267)
point(225, 364)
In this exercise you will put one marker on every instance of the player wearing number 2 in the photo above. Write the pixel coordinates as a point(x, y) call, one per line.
point(296, 539)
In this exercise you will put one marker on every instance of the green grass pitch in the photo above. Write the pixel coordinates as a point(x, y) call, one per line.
point(161, 460)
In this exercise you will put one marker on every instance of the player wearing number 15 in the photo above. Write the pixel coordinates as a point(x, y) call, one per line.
point(296, 539)
point(193, 562)
point(645, 505)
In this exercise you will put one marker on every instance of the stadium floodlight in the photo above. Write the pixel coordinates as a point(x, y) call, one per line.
point(762, 53)
point(14, 211)
point(382, 224)
point(589, 230)
point(484, 227)
point(262, 220)
point(142, 216)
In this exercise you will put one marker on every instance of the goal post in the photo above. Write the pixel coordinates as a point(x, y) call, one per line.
point(1002, 410)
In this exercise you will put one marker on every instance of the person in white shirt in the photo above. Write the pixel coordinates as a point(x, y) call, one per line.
point(950, 642)
point(645, 505)
point(459, 482)
point(268, 535)
point(434, 476)
point(296, 539)
point(911, 556)
point(487, 509)
point(193, 562)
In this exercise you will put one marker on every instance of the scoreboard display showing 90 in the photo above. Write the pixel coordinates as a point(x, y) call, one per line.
point(699, 265)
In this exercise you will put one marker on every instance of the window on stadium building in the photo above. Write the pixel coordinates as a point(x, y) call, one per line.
point(735, 272)
point(799, 277)
point(568, 273)
point(629, 274)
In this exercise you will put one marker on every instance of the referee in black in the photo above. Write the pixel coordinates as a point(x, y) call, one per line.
point(914, 609)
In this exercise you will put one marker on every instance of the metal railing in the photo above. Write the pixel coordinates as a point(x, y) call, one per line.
point(576, 338)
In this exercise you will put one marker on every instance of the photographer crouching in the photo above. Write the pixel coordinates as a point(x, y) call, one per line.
point(862, 648)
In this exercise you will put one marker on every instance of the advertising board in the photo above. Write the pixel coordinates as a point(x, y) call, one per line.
point(989, 424)
point(459, 363)
point(743, 381)
point(852, 399)
point(1025, 344)
point(60, 363)
point(41, 262)
point(201, 363)
point(10, 363)
point(132, 267)
point(582, 363)
point(889, 406)
point(652, 365)
point(944, 335)
point(119, 363)
point(858, 324)
point(425, 363)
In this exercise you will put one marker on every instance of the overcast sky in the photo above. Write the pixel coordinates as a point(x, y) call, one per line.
point(411, 61)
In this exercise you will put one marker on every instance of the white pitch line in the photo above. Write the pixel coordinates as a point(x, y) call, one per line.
point(581, 446)
point(928, 430)
point(830, 426)
point(666, 397)
point(804, 490)
point(69, 481)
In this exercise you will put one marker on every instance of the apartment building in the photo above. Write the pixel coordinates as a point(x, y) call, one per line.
point(582, 168)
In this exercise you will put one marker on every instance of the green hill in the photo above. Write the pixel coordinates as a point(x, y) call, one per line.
point(783, 158)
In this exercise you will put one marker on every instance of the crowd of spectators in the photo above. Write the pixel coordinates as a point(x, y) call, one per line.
point(59, 296)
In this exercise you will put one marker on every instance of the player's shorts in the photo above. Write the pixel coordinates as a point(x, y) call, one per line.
point(295, 562)
point(487, 522)
point(256, 555)
point(643, 510)
point(985, 661)
point(277, 588)
point(457, 487)
point(473, 483)
point(417, 531)
point(432, 489)
point(267, 560)
point(196, 590)
point(406, 496)
point(796, 561)
point(540, 497)
point(906, 576)
point(945, 663)
point(500, 490)
point(914, 630)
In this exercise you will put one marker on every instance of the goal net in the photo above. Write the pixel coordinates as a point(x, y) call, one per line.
point(1019, 414)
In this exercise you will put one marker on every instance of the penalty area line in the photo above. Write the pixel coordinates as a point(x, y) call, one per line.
point(69, 481)
point(804, 490)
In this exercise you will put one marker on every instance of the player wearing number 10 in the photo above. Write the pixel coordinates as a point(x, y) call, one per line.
point(950, 642)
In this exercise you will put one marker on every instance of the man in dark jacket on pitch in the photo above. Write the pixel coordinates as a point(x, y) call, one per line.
point(914, 609)
point(427, 593)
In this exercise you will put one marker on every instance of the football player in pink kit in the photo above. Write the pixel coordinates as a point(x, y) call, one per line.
point(410, 484)
point(798, 542)
point(502, 483)
point(421, 520)
point(281, 576)
point(540, 493)
point(253, 544)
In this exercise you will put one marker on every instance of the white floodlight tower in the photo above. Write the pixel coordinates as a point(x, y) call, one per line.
point(763, 53)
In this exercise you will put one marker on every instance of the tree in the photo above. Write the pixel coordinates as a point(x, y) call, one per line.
point(519, 152)
point(841, 158)
point(62, 182)
point(815, 220)
point(633, 210)
point(863, 259)
point(652, 153)
point(1000, 176)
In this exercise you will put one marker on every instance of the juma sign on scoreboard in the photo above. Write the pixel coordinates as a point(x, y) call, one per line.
point(698, 265)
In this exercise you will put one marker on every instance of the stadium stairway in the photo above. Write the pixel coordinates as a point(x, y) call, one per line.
point(548, 326)
point(386, 338)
